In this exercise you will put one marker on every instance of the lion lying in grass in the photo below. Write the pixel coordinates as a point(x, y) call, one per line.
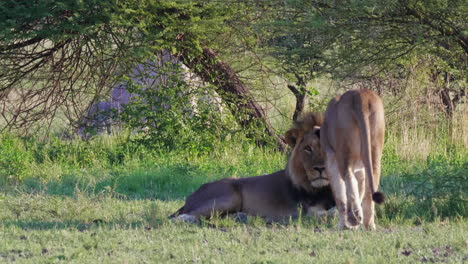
point(277, 196)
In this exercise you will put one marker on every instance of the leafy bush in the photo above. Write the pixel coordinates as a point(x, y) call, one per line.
point(170, 114)
point(14, 157)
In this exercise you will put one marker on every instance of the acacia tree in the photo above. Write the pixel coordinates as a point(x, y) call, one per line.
point(297, 49)
point(362, 39)
point(57, 54)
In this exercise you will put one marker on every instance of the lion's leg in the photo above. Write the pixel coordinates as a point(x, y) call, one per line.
point(220, 205)
point(354, 198)
point(339, 190)
point(219, 197)
point(360, 173)
point(368, 210)
point(361, 178)
point(368, 204)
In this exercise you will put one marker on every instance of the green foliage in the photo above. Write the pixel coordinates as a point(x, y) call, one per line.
point(85, 229)
point(83, 46)
point(154, 24)
point(172, 115)
point(347, 38)
point(14, 158)
point(441, 186)
point(58, 20)
point(172, 25)
point(60, 166)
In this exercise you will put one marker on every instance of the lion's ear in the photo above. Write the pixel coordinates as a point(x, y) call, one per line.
point(317, 131)
point(291, 136)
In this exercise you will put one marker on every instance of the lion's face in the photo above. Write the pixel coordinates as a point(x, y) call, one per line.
point(306, 165)
point(313, 160)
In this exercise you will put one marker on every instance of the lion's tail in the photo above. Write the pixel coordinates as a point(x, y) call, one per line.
point(364, 128)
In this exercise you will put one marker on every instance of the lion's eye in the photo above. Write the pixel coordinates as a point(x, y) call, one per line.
point(308, 149)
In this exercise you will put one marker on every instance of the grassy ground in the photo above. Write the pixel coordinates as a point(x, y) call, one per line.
point(72, 230)
point(77, 202)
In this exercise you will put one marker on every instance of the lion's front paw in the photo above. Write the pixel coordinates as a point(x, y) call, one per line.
point(355, 217)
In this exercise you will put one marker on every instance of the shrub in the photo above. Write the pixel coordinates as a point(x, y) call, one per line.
point(170, 114)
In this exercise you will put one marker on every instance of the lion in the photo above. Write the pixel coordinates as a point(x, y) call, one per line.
point(352, 137)
point(277, 196)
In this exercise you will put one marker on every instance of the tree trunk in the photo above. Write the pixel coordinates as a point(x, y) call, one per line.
point(232, 90)
point(447, 102)
point(300, 100)
point(450, 104)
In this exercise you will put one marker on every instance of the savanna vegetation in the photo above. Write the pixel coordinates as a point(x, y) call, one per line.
point(212, 86)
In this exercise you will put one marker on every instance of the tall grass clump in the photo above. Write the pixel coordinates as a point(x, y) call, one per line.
point(15, 158)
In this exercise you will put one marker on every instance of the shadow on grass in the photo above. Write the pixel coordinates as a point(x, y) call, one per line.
point(217, 222)
point(172, 182)
point(436, 191)
point(72, 225)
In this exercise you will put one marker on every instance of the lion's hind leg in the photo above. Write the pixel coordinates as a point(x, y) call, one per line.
point(339, 189)
point(355, 213)
point(177, 213)
point(366, 200)
point(219, 197)
point(368, 209)
point(222, 205)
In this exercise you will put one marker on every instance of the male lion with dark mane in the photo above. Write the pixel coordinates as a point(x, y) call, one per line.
point(352, 138)
point(277, 196)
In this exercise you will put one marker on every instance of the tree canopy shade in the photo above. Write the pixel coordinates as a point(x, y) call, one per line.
point(63, 55)
point(350, 35)
point(359, 40)
point(58, 53)
point(52, 53)
point(33, 33)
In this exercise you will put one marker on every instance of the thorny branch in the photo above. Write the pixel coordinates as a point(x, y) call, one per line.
point(41, 79)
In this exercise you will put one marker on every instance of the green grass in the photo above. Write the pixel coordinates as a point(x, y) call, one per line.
point(88, 229)
point(108, 201)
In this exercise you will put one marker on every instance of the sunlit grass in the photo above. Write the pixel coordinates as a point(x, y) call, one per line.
point(88, 228)
point(108, 201)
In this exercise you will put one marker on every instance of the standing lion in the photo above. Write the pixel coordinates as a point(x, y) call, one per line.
point(352, 138)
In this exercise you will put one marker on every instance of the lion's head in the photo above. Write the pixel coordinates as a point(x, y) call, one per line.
point(306, 165)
